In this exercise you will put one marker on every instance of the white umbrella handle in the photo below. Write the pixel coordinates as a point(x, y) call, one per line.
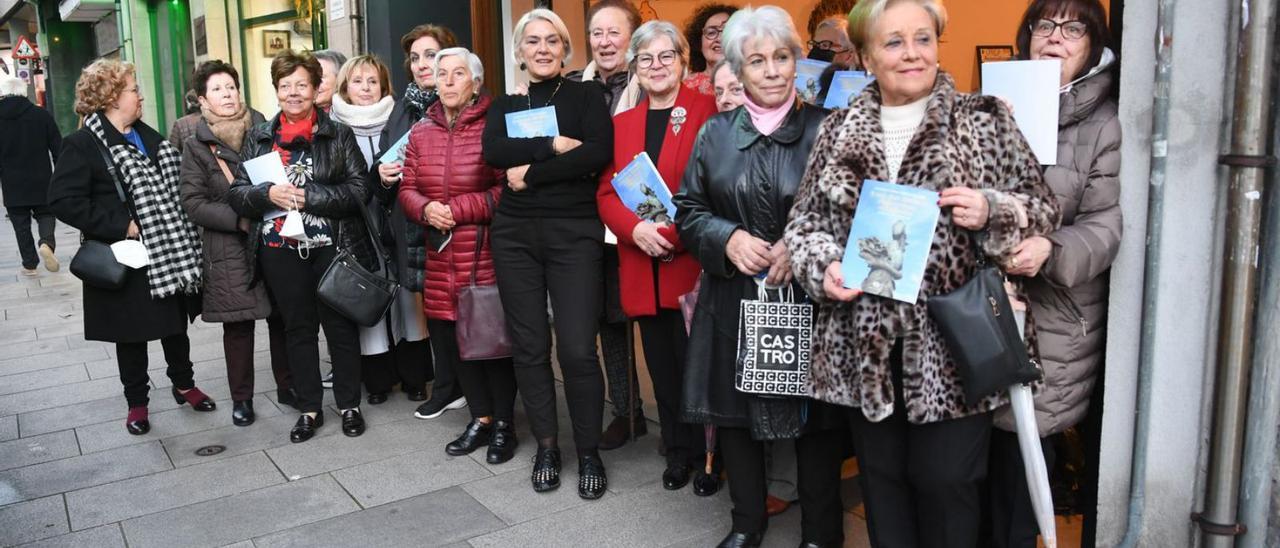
point(1024, 416)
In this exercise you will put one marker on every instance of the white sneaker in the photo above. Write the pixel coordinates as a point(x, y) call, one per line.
point(50, 260)
point(30, 272)
point(432, 409)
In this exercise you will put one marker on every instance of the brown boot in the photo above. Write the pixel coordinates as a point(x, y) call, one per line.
point(619, 433)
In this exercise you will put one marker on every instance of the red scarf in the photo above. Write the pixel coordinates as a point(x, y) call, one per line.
point(292, 131)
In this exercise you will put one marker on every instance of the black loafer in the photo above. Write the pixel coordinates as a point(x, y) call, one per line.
point(474, 437)
point(811, 544)
point(591, 479)
point(288, 397)
point(741, 540)
point(376, 398)
point(546, 470)
point(352, 422)
point(305, 428)
point(197, 399)
point(704, 484)
point(416, 395)
point(676, 476)
point(242, 413)
point(502, 446)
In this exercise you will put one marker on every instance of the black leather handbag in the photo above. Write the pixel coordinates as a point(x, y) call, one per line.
point(351, 289)
point(978, 324)
point(94, 263)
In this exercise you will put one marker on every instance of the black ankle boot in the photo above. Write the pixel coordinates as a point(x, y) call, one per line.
point(242, 413)
point(502, 446)
point(475, 436)
point(741, 540)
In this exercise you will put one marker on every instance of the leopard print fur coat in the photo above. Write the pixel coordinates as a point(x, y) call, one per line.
point(964, 140)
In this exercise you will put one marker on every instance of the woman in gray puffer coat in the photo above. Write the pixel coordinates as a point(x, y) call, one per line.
point(1067, 271)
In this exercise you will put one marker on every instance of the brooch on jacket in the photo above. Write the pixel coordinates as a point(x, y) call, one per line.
point(678, 116)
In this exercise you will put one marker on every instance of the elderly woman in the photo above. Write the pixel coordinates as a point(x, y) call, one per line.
point(730, 212)
point(117, 179)
point(921, 450)
point(548, 242)
point(653, 265)
point(727, 88)
point(1066, 270)
point(609, 27)
point(705, 29)
point(420, 46)
point(331, 62)
point(449, 189)
point(209, 159)
point(326, 185)
point(395, 349)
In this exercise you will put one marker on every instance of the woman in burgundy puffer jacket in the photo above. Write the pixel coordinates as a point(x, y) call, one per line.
point(448, 188)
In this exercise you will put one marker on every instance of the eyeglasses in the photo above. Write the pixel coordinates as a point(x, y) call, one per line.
point(828, 45)
point(1071, 30)
point(664, 59)
point(711, 33)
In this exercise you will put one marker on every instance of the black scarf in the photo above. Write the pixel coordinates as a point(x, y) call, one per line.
point(417, 100)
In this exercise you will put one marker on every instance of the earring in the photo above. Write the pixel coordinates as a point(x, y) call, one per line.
point(522, 65)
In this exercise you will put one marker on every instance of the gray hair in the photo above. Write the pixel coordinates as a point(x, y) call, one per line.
point(472, 60)
point(750, 24)
point(865, 14)
point(839, 23)
point(517, 34)
point(654, 29)
point(12, 86)
point(331, 55)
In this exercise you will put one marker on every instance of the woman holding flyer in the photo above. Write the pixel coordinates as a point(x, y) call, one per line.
point(547, 242)
point(921, 449)
point(733, 204)
point(653, 265)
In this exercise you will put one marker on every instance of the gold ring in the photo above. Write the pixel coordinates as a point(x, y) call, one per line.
point(1015, 262)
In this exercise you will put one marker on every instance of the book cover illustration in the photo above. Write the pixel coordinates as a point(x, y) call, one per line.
point(889, 241)
point(642, 190)
point(808, 79)
point(538, 122)
point(845, 87)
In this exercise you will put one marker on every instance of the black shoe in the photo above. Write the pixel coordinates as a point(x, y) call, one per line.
point(437, 406)
point(676, 476)
point(502, 446)
point(326, 381)
point(810, 544)
point(591, 479)
point(242, 412)
point(416, 395)
point(741, 540)
point(306, 427)
point(352, 422)
point(618, 433)
point(198, 400)
point(288, 397)
point(704, 484)
point(546, 470)
point(136, 423)
point(376, 398)
point(476, 435)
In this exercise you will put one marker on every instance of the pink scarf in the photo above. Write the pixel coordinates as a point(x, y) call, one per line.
point(767, 120)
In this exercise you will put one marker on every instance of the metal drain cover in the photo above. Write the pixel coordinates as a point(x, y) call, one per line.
point(210, 450)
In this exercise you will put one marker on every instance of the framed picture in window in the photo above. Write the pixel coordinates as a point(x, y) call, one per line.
point(274, 41)
point(991, 54)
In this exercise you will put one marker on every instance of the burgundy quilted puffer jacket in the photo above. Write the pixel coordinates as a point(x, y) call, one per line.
point(444, 164)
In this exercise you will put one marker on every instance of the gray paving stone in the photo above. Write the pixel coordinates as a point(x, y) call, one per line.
point(408, 475)
point(8, 428)
point(60, 330)
point(510, 497)
point(26, 334)
point(241, 544)
point(431, 519)
point(30, 347)
point(264, 434)
point(329, 453)
point(26, 363)
point(64, 475)
point(108, 408)
point(159, 492)
point(32, 520)
point(38, 449)
point(107, 536)
point(166, 424)
point(244, 516)
point(33, 380)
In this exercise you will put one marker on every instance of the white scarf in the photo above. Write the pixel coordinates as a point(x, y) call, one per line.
point(363, 120)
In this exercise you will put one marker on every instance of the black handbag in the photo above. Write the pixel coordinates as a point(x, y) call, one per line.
point(978, 324)
point(94, 263)
point(351, 289)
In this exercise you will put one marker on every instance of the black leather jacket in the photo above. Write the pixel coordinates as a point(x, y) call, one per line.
point(337, 190)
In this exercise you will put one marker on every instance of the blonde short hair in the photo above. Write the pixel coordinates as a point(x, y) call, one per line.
point(101, 84)
point(517, 34)
point(384, 74)
point(867, 12)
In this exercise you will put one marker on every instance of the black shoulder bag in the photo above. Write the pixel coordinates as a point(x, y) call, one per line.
point(349, 288)
point(95, 264)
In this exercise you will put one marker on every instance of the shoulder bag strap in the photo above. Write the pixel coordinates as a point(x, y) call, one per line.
point(480, 236)
point(111, 169)
point(226, 171)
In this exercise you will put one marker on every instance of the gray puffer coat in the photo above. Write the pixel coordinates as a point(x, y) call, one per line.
point(1069, 295)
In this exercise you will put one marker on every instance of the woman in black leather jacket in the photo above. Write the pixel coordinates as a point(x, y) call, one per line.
point(326, 183)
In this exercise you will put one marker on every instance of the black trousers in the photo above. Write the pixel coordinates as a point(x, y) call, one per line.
point(292, 281)
point(818, 459)
point(21, 219)
point(623, 384)
point(237, 345)
point(665, 341)
point(132, 360)
point(489, 385)
point(408, 364)
point(922, 483)
point(1013, 522)
point(560, 258)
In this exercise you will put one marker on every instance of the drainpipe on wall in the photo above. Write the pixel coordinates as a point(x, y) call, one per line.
point(125, 27)
point(1246, 173)
point(358, 44)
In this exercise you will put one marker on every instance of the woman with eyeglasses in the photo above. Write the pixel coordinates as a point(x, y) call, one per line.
point(703, 32)
point(1066, 271)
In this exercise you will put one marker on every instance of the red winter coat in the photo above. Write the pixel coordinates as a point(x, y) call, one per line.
point(635, 268)
point(445, 165)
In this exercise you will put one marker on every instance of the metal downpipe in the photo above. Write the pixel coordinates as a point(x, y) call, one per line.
point(1151, 269)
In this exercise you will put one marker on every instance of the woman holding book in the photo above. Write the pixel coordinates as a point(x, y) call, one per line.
point(547, 242)
point(733, 204)
point(653, 265)
point(921, 449)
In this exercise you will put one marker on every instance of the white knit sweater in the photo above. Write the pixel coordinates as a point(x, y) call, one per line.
point(899, 125)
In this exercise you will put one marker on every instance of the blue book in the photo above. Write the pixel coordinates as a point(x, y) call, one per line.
point(538, 122)
point(643, 191)
point(889, 241)
point(396, 152)
point(845, 87)
point(808, 76)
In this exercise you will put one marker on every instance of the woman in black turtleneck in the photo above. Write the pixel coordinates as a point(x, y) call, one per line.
point(547, 240)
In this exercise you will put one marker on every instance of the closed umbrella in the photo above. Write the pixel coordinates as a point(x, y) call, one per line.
point(1024, 420)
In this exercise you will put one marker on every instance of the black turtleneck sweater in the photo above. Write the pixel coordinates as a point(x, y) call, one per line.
point(558, 186)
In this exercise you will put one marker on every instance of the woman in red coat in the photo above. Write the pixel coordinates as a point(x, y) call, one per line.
point(654, 268)
point(448, 188)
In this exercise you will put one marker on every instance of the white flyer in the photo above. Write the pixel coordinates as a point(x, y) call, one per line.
point(1032, 88)
point(267, 168)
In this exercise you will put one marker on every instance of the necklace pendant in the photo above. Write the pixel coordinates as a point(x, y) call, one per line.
point(675, 128)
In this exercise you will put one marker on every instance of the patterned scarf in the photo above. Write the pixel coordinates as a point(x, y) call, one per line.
point(173, 245)
point(417, 100)
point(229, 129)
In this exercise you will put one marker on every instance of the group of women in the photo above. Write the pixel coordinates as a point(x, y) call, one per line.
point(765, 187)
